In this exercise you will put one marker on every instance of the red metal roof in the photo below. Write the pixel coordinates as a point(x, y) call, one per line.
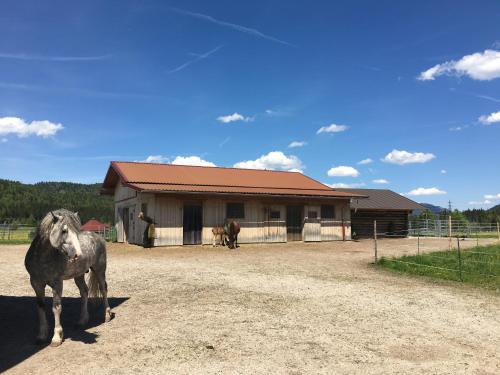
point(183, 178)
point(94, 225)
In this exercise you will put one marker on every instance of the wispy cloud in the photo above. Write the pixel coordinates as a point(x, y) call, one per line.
point(365, 161)
point(28, 57)
point(243, 29)
point(198, 57)
point(234, 117)
point(296, 144)
point(78, 91)
point(332, 128)
point(342, 185)
point(380, 181)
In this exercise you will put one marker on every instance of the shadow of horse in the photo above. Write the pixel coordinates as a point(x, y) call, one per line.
point(19, 325)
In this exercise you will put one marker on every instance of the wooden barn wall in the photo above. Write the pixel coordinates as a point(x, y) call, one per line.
point(387, 222)
point(331, 229)
point(257, 226)
point(168, 216)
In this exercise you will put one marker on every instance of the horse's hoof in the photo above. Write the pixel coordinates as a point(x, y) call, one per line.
point(55, 344)
point(109, 317)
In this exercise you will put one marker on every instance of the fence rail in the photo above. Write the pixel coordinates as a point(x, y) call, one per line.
point(25, 233)
point(443, 228)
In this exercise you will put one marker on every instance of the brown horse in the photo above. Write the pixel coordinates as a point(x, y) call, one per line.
point(219, 236)
point(233, 228)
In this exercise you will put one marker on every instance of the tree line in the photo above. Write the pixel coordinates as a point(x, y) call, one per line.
point(29, 203)
point(490, 216)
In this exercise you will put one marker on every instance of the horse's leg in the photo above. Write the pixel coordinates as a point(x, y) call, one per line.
point(43, 330)
point(214, 239)
point(84, 292)
point(57, 288)
point(103, 286)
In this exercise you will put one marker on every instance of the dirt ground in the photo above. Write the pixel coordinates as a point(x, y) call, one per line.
point(277, 309)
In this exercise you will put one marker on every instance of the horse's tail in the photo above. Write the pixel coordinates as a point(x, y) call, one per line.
point(94, 289)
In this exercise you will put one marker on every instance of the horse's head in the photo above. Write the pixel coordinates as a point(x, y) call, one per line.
point(62, 229)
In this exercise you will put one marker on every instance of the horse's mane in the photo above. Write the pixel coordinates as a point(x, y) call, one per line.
point(70, 219)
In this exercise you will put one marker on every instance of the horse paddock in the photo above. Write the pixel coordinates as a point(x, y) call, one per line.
point(283, 308)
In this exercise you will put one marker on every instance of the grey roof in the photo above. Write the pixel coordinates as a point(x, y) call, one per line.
point(382, 199)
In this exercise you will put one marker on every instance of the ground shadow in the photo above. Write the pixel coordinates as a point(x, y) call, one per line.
point(19, 325)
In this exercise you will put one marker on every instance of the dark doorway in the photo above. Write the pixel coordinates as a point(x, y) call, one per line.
point(294, 223)
point(192, 224)
point(125, 220)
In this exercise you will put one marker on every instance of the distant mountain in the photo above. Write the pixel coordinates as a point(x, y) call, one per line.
point(432, 208)
point(495, 209)
point(27, 203)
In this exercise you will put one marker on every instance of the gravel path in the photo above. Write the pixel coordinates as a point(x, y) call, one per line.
point(281, 309)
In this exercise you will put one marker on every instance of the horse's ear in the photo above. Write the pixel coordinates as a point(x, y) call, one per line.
point(76, 214)
point(54, 217)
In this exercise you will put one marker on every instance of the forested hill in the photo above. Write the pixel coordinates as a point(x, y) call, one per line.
point(27, 204)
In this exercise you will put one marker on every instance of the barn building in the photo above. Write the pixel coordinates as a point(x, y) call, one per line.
point(186, 202)
point(391, 211)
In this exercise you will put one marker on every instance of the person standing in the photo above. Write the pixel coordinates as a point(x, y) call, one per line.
point(149, 233)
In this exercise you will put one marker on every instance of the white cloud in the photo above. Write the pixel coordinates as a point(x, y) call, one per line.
point(490, 119)
point(492, 196)
point(404, 157)
point(156, 159)
point(341, 185)
point(273, 160)
point(234, 117)
point(343, 171)
point(297, 144)
point(3, 140)
point(380, 181)
point(192, 160)
point(19, 127)
point(426, 191)
point(332, 128)
point(443, 171)
point(365, 161)
point(482, 66)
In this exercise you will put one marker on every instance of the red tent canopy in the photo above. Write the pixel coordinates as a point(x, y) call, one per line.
point(94, 226)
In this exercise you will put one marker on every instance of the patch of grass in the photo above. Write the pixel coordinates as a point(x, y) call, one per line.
point(479, 266)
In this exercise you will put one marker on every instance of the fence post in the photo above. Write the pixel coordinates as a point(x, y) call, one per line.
point(449, 232)
point(498, 231)
point(477, 235)
point(8, 232)
point(418, 242)
point(459, 259)
point(375, 239)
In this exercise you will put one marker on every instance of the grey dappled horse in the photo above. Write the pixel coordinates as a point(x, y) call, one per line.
point(60, 251)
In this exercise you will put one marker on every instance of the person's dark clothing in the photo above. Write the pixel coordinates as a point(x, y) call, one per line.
point(147, 237)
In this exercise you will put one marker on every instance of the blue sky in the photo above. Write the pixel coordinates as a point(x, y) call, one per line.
point(412, 86)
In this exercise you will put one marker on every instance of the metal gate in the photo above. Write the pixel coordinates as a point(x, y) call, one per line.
point(192, 224)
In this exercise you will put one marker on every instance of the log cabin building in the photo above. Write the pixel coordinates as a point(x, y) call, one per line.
point(390, 209)
point(186, 202)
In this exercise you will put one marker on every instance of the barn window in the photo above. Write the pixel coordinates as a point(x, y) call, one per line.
point(275, 215)
point(327, 211)
point(235, 210)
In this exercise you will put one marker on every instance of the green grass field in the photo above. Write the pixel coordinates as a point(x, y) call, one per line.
point(24, 235)
point(480, 266)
